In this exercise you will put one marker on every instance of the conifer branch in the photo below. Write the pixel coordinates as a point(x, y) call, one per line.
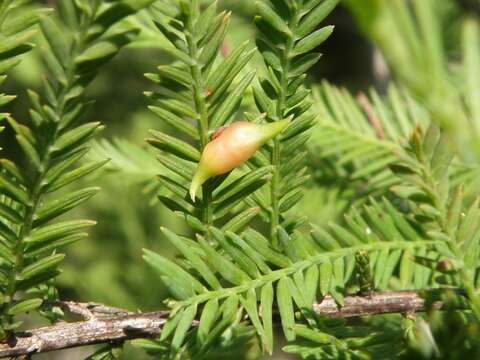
point(286, 37)
point(106, 324)
point(198, 90)
point(76, 42)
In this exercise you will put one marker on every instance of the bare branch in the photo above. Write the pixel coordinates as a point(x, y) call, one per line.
point(91, 310)
point(376, 303)
point(106, 324)
point(93, 331)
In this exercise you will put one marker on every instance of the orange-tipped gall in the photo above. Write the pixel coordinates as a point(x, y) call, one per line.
point(231, 147)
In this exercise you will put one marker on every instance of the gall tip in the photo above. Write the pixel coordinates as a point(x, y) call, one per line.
point(193, 191)
point(201, 175)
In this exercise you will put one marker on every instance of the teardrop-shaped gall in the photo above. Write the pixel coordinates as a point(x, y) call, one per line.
point(231, 147)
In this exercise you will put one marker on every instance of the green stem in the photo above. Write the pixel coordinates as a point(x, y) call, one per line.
point(19, 247)
point(277, 145)
point(300, 266)
point(201, 110)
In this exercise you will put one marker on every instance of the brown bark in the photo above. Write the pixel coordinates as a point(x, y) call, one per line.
point(104, 324)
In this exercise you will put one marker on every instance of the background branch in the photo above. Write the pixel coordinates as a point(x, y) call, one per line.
point(104, 324)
